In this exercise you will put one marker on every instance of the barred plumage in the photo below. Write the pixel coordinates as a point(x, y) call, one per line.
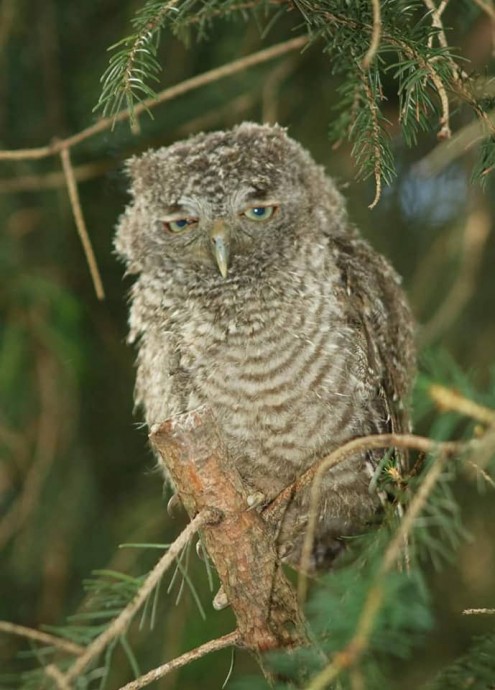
point(304, 342)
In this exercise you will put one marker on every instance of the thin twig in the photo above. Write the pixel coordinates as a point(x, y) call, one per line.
point(377, 157)
point(445, 132)
point(161, 671)
point(479, 470)
point(414, 508)
point(271, 90)
point(56, 178)
point(448, 399)
point(428, 65)
point(486, 8)
point(142, 39)
point(436, 14)
point(476, 612)
point(120, 623)
point(349, 449)
point(80, 222)
point(47, 439)
point(56, 674)
point(463, 140)
point(476, 232)
point(165, 95)
point(88, 171)
point(375, 36)
point(39, 636)
point(350, 655)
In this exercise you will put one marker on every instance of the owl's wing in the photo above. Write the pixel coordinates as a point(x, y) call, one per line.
point(378, 311)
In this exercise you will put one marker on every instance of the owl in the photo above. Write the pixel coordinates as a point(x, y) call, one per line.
point(256, 296)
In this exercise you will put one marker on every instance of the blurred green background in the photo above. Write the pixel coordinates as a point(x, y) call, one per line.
point(76, 476)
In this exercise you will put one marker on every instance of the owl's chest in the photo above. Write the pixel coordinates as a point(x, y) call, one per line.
point(279, 376)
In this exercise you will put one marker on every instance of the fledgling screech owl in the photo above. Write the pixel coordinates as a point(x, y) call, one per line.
point(254, 295)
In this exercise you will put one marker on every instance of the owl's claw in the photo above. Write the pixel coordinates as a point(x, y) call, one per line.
point(220, 600)
point(256, 499)
point(200, 550)
point(173, 505)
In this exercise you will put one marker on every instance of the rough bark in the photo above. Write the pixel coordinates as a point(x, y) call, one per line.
point(240, 543)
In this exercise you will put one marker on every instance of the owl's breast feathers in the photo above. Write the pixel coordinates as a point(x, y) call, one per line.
point(292, 366)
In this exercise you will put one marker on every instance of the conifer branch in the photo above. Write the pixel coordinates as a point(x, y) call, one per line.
point(344, 452)
point(40, 636)
point(128, 68)
point(350, 656)
point(480, 471)
point(265, 606)
point(448, 399)
point(121, 622)
point(436, 20)
point(80, 222)
point(375, 35)
point(228, 640)
point(428, 66)
point(168, 94)
point(56, 674)
point(475, 236)
point(486, 7)
point(376, 147)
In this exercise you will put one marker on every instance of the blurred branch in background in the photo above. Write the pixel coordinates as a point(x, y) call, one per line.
point(80, 222)
point(47, 438)
point(168, 94)
point(475, 236)
point(461, 142)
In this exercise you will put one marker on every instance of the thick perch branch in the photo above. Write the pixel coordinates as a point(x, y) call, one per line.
point(241, 545)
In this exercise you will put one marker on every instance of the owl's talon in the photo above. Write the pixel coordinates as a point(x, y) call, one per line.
point(256, 499)
point(200, 551)
point(220, 600)
point(173, 505)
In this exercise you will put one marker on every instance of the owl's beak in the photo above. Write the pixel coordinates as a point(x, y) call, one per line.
point(220, 246)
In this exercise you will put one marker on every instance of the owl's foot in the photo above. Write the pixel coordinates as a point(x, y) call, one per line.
point(173, 505)
point(201, 551)
point(220, 600)
point(256, 500)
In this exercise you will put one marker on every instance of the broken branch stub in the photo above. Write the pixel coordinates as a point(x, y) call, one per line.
point(240, 544)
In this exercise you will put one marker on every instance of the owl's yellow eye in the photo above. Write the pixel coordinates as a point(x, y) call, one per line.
point(179, 225)
point(260, 212)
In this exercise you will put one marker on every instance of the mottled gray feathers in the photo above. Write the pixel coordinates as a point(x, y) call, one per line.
point(306, 343)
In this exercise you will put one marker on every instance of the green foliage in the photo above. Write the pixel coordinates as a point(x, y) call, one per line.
point(475, 670)
point(426, 74)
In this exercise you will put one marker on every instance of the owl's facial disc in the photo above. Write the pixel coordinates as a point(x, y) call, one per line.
point(220, 246)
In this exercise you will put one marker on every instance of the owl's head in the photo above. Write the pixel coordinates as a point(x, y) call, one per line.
point(223, 203)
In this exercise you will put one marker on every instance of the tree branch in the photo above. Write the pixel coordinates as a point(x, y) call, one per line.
point(375, 36)
point(180, 661)
point(448, 399)
point(39, 636)
point(80, 222)
point(353, 651)
point(120, 623)
point(242, 546)
point(166, 95)
point(358, 445)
